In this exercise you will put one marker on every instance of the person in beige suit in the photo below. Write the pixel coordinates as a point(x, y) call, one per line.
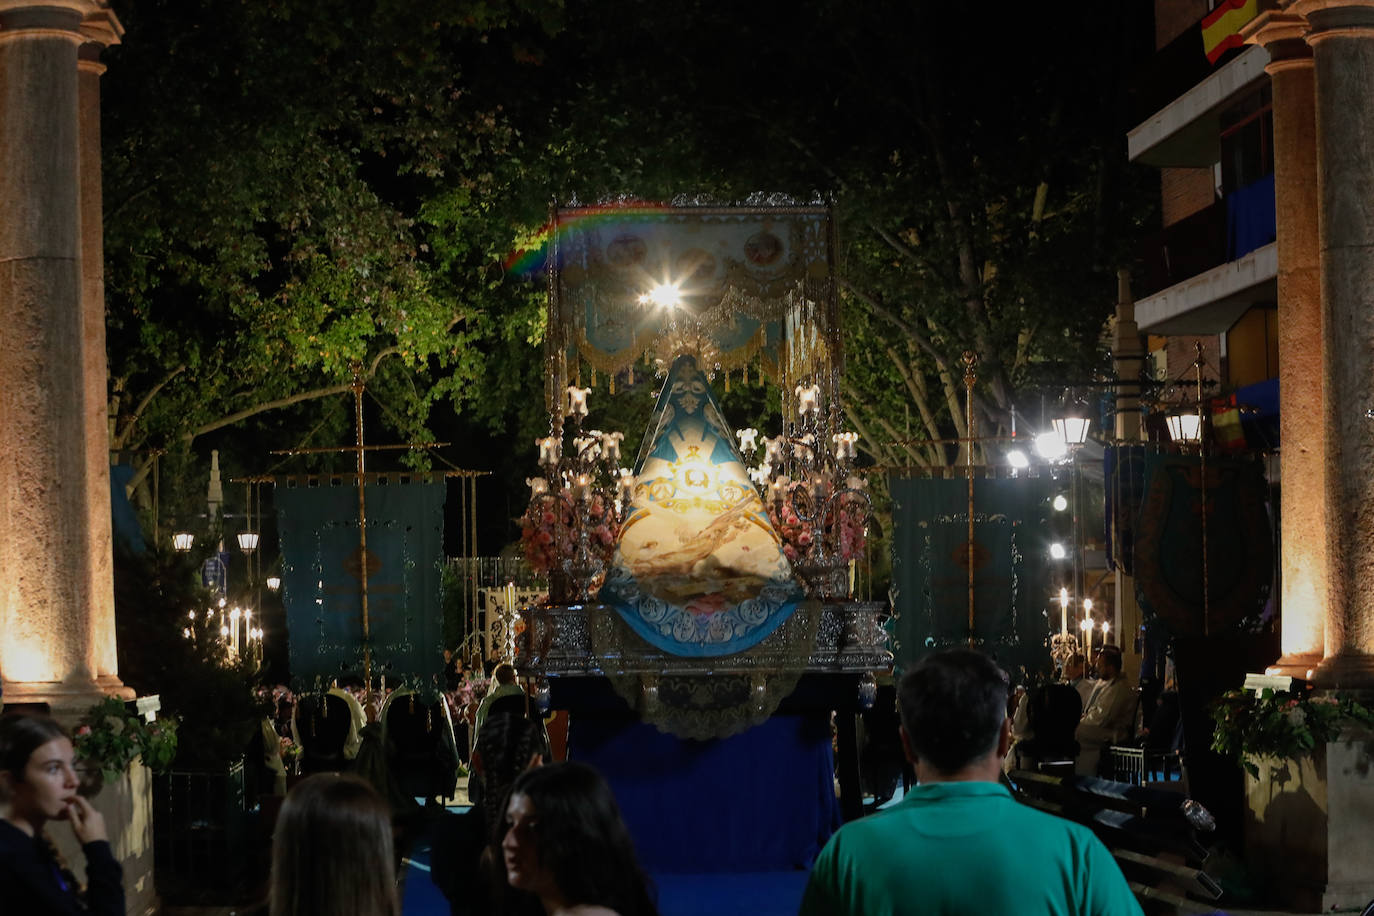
point(1108, 716)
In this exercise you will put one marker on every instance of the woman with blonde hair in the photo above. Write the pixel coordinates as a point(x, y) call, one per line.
point(332, 851)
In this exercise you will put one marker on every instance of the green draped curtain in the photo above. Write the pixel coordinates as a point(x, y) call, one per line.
point(1012, 577)
point(322, 579)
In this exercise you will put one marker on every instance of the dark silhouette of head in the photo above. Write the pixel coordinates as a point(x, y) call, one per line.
point(952, 707)
point(507, 745)
point(504, 673)
point(581, 839)
point(332, 851)
point(1109, 662)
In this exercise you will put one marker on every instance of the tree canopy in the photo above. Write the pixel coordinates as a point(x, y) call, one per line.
point(294, 197)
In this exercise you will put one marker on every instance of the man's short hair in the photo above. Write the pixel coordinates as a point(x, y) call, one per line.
point(504, 673)
point(952, 706)
point(1112, 655)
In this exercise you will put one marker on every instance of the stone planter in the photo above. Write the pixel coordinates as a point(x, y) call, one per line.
point(1307, 827)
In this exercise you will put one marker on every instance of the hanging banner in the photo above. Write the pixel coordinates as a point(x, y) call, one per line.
point(322, 579)
point(1011, 578)
point(1169, 551)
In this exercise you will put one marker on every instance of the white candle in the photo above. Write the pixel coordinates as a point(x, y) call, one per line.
point(610, 446)
point(773, 449)
point(748, 439)
point(801, 449)
point(538, 486)
point(845, 445)
point(808, 399)
point(585, 446)
point(626, 484)
point(584, 486)
point(549, 450)
point(577, 401)
point(1064, 612)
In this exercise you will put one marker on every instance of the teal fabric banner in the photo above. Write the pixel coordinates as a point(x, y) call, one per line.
point(322, 580)
point(1012, 584)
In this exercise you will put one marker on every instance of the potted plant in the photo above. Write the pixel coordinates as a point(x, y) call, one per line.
point(1281, 725)
point(109, 737)
point(1302, 754)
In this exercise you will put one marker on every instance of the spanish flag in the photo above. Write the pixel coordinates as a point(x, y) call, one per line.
point(1221, 27)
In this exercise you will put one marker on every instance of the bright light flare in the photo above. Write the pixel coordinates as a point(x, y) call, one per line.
point(1017, 459)
point(664, 295)
point(1057, 551)
point(1050, 446)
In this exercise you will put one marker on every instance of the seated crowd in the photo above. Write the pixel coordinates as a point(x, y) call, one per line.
point(548, 838)
point(1075, 718)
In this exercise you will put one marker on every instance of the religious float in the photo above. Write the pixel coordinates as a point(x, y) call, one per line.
point(700, 627)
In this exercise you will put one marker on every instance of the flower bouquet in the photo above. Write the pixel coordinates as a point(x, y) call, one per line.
point(109, 737)
point(1281, 724)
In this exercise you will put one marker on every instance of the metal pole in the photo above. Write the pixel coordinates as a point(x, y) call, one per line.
point(1202, 489)
point(362, 528)
point(970, 361)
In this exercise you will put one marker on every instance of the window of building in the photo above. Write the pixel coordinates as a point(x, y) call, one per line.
point(1247, 141)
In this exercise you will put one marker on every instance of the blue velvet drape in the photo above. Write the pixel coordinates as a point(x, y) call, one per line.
point(761, 800)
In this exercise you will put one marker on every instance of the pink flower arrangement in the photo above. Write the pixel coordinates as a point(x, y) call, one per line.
point(548, 533)
point(844, 530)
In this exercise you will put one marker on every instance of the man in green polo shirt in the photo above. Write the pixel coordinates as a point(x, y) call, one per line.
point(959, 842)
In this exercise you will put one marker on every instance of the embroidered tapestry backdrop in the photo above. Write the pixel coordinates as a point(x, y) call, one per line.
point(321, 579)
point(1012, 583)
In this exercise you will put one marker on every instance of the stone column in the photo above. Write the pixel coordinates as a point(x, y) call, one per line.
point(1129, 356)
point(1302, 536)
point(102, 30)
point(54, 650)
point(1341, 34)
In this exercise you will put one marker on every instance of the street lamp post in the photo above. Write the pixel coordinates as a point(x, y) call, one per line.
point(1071, 431)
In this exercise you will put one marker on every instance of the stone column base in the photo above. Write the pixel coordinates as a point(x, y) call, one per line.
point(1307, 826)
point(1299, 665)
point(1348, 671)
point(66, 699)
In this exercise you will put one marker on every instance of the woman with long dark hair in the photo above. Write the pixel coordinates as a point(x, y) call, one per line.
point(566, 844)
point(38, 784)
point(332, 851)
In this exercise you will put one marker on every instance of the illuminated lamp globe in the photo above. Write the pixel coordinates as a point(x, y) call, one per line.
point(248, 541)
point(1185, 427)
point(273, 583)
point(1058, 552)
point(1017, 459)
point(182, 541)
point(1072, 431)
point(1061, 502)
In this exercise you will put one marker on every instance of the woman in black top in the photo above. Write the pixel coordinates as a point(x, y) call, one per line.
point(38, 784)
